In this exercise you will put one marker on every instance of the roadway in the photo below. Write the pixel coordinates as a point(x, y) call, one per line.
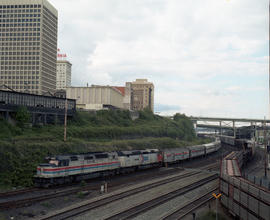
point(213, 119)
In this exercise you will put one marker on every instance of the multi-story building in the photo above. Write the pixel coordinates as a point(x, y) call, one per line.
point(134, 96)
point(63, 77)
point(96, 97)
point(28, 45)
point(127, 96)
point(140, 93)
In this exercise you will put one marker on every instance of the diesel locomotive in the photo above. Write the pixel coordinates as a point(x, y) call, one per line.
point(63, 169)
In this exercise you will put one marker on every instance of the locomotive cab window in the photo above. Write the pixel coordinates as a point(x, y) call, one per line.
point(101, 156)
point(88, 157)
point(136, 153)
point(120, 153)
point(63, 163)
point(73, 158)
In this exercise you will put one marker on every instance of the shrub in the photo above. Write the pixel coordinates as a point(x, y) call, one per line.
point(21, 150)
point(46, 204)
point(22, 116)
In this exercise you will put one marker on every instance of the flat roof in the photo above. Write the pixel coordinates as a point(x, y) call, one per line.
point(24, 93)
point(46, 3)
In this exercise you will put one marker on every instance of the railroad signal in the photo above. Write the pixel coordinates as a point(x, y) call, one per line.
point(216, 196)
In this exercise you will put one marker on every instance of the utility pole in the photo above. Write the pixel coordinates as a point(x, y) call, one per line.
point(220, 125)
point(65, 123)
point(216, 196)
point(265, 149)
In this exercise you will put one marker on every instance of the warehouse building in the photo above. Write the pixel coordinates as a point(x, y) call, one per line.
point(96, 97)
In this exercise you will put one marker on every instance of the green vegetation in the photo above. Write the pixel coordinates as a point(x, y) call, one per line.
point(23, 148)
point(80, 194)
point(211, 215)
point(22, 116)
point(83, 183)
point(2, 216)
point(46, 204)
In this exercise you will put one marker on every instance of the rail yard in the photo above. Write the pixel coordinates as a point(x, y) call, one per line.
point(243, 198)
point(157, 179)
point(173, 192)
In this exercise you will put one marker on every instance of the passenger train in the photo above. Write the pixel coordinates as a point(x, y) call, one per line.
point(63, 169)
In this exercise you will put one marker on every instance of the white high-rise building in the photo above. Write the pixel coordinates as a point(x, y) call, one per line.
point(63, 77)
point(28, 45)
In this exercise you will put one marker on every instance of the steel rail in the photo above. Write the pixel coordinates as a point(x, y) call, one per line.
point(17, 192)
point(92, 205)
point(13, 203)
point(191, 206)
point(145, 206)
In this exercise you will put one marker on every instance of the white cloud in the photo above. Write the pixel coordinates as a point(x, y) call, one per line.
point(201, 55)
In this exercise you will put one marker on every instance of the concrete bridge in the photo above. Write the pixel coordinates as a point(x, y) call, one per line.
point(216, 119)
point(221, 124)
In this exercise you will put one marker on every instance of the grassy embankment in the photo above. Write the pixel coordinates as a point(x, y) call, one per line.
point(22, 149)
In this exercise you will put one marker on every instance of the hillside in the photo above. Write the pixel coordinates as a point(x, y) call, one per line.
point(23, 148)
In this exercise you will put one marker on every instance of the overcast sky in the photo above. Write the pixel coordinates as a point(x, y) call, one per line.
point(205, 57)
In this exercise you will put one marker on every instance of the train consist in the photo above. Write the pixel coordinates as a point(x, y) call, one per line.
point(243, 199)
point(246, 147)
point(63, 169)
point(237, 143)
point(232, 163)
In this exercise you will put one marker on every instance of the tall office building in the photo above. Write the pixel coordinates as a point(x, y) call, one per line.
point(63, 77)
point(28, 45)
point(141, 95)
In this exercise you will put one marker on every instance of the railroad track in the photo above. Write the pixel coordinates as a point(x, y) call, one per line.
point(68, 213)
point(28, 201)
point(145, 206)
point(16, 203)
point(18, 192)
point(258, 162)
point(189, 207)
point(211, 166)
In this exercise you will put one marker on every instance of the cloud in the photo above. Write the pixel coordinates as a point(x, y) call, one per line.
point(209, 57)
point(166, 108)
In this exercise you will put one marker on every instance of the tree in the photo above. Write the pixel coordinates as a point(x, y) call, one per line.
point(22, 116)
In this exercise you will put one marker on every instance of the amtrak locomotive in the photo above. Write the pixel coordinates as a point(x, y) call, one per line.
point(71, 168)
